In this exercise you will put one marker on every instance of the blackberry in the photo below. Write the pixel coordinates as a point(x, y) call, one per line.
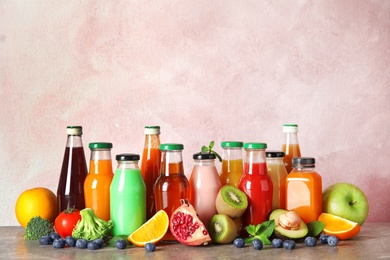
point(239, 242)
point(150, 247)
point(289, 244)
point(333, 240)
point(277, 243)
point(257, 244)
point(310, 241)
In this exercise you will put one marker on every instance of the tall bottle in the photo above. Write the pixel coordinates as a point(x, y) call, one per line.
point(257, 185)
point(277, 172)
point(204, 186)
point(70, 191)
point(98, 181)
point(290, 145)
point(150, 165)
point(232, 167)
point(127, 196)
point(304, 189)
point(172, 185)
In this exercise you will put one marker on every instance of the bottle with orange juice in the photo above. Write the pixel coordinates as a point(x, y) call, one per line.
point(290, 145)
point(277, 172)
point(304, 189)
point(232, 165)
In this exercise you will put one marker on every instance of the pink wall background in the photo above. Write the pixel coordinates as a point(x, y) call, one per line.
point(202, 70)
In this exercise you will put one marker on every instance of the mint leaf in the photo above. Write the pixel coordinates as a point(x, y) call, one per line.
point(261, 231)
point(315, 228)
point(209, 149)
point(269, 227)
point(251, 229)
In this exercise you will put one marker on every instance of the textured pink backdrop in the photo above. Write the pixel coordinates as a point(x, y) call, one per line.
point(202, 70)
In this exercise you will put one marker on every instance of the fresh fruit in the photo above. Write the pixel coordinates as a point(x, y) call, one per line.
point(324, 238)
point(36, 202)
point(231, 201)
point(54, 236)
point(289, 244)
point(121, 244)
point(310, 241)
point(257, 244)
point(66, 221)
point(340, 227)
point(81, 243)
point(277, 243)
point(223, 229)
point(186, 227)
point(150, 247)
point(99, 242)
point(333, 240)
point(345, 200)
point(59, 243)
point(151, 231)
point(70, 241)
point(288, 225)
point(92, 245)
point(239, 242)
point(112, 241)
point(45, 240)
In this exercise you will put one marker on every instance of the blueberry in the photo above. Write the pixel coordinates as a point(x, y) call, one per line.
point(150, 247)
point(257, 244)
point(92, 245)
point(333, 240)
point(70, 241)
point(324, 239)
point(45, 240)
point(238, 242)
point(310, 241)
point(81, 243)
point(54, 236)
point(59, 243)
point(121, 244)
point(277, 243)
point(99, 242)
point(289, 244)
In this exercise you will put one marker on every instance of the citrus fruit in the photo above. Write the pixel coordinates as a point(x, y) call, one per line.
point(151, 231)
point(340, 227)
point(36, 202)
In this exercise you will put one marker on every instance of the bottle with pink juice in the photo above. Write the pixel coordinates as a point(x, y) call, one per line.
point(204, 186)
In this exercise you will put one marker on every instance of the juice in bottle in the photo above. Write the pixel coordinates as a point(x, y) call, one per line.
point(257, 185)
point(304, 189)
point(232, 167)
point(98, 181)
point(290, 145)
point(204, 186)
point(277, 172)
point(127, 196)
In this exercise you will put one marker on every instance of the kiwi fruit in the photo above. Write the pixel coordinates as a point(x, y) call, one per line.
point(222, 229)
point(231, 201)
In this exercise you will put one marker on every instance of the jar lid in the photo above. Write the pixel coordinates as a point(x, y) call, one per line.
point(100, 145)
point(290, 128)
point(274, 154)
point(255, 145)
point(127, 157)
point(74, 130)
point(231, 144)
point(204, 156)
point(303, 160)
point(152, 130)
point(171, 147)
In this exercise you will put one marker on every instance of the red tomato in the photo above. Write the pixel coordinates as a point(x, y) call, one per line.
point(66, 221)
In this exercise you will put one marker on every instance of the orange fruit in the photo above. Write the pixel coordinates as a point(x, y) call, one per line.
point(340, 227)
point(36, 202)
point(151, 231)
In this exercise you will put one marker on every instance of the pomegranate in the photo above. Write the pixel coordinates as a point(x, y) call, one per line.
point(186, 227)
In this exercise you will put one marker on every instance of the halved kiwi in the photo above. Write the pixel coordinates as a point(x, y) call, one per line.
point(222, 229)
point(231, 201)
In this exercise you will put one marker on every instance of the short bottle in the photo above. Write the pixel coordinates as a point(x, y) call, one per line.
point(70, 191)
point(290, 145)
point(257, 185)
point(150, 165)
point(98, 181)
point(127, 195)
point(277, 172)
point(204, 186)
point(304, 189)
point(232, 166)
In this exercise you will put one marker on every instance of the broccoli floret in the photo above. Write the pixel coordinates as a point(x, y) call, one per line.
point(90, 227)
point(38, 227)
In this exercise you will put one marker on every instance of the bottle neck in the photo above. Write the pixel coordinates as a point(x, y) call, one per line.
point(274, 160)
point(74, 141)
point(205, 163)
point(254, 156)
point(171, 163)
point(231, 154)
point(303, 168)
point(100, 154)
point(152, 141)
point(290, 138)
point(127, 165)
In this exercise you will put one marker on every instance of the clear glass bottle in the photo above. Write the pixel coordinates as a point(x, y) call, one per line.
point(304, 189)
point(127, 196)
point(150, 166)
point(277, 172)
point(98, 181)
point(232, 166)
point(290, 145)
point(70, 191)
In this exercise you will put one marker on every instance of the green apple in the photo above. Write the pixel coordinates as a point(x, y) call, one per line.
point(345, 200)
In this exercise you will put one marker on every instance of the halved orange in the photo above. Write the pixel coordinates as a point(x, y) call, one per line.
point(340, 227)
point(151, 231)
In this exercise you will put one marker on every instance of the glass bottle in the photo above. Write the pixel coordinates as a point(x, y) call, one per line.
point(172, 185)
point(304, 189)
point(257, 185)
point(277, 172)
point(290, 145)
point(204, 186)
point(150, 165)
point(70, 191)
point(232, 167)
point(127, 196)
point(98, 181)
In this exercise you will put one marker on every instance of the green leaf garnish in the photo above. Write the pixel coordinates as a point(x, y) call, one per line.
point(315, 228)
point(262, 231)
point(209, 149)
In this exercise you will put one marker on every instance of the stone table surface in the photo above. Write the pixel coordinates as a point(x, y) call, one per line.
point(372, 242)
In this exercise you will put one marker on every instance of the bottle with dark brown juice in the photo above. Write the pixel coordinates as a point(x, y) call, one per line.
point(70, 192)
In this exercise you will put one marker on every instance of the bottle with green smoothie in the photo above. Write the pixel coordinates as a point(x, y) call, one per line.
point(127, 196)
